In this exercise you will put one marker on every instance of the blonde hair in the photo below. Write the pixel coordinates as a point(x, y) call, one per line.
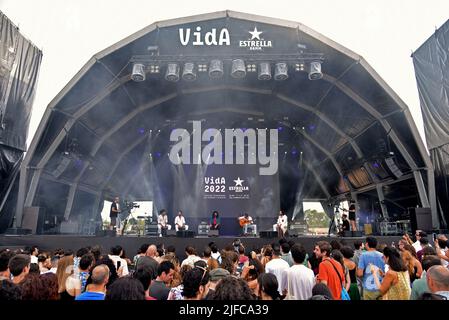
point(409, 262)
point(65, 269)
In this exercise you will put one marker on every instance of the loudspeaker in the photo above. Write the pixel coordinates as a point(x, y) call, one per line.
point(420, 219)
point(30, 218)
point(171, 233)
point(185, 234)
point(151, 229)
point(268, 234)
point(391, 164)
point(68, 227)
point(213, 233)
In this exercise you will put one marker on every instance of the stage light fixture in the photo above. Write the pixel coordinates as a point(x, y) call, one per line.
point(251, 67)
point(172, 73)
point(188, 73)
point(300, 66)
point(138, 73)
point(202, 67)
point(264, 71)
point(154, 68)
point(280, 71)
point(238, 69)
point(216, 69)
point(315, 71)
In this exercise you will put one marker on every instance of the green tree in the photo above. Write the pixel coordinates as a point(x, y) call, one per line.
point(316, 219)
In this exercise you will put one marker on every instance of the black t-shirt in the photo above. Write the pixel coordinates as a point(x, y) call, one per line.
point(345, 225)
point(113, 214)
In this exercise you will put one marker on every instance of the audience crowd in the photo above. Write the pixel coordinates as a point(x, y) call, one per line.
point(366, 270)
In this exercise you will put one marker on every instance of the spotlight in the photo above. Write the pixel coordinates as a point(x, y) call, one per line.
point(138, 73)
point(154, 68)
point(264, 71)
point(251, 67)
point(238, 69)
point(202, 67)
point(216, 69)
point(315, 71)
point(280, 71)
point(189, 74)
point(172, 73)
point(300, 66)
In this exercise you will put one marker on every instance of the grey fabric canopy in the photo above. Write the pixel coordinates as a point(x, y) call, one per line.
point(348, 133)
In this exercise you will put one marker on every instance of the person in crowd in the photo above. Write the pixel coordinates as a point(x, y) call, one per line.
point(277, 266)
point(97, 288)
point(442, 249)
point(19, 266)
point(33, 251)
point(96, 251)
point(321, 292)
point(298, 280)
point(34, 269)
point(215, 221)
point(418, 235)
point(350, 265)
point(54, 264)
point(149, 261)
point(358, 250)
point(251, 271)
point(281, 224)
point(195, 284)
point(215, 277)
point(126, 288)
point(229, 261)
point(191, 256)
point(268, 287)
point(120, 264)
point(50, 285)
point(233, 288)
point(40, 287)
point(413, 265)
point(207, 256)
point(68, 289)
point(85, 265)
point(266, 254)
point(335, 245)
point(176, 292)
point(176, 278)
point(141, 252)
point(424, 244)
point(76, 260)
point(5, 256)
point(396, 283)
point(215, 252)
point(44, 262)
point(330, 271)
point(180, 222)
point(158, 288)
point(438, 281)
point(10, 291)
point(285, 254)
point(419, 286)
point(144, 276)
point(368, 258)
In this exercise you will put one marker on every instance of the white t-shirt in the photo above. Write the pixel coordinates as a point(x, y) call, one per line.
point(162, 220)
point(277, 267)
point(33, 259)
point(122, 264)
point(300, 280)
point(180, 221)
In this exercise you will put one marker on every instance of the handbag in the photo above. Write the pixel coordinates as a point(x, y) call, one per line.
point(344, 293)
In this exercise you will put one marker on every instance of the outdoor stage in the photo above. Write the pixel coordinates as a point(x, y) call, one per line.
point(132, 243)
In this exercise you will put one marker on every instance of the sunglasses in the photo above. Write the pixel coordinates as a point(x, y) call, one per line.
point(204, 272)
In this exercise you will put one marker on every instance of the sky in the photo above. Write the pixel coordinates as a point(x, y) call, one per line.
point(70, 32)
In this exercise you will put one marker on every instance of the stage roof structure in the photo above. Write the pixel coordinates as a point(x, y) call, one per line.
point(336, 116)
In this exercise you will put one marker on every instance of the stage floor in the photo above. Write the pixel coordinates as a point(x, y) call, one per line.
point(132, 243)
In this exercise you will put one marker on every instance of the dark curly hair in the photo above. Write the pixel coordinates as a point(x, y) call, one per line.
point(268, 283)
point(9, 291)
point(192, 281)
point(126, 288)
point(232, 288)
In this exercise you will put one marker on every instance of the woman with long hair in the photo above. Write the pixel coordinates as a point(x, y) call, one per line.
point(268, 287)
point(348, 254)
point(251, 271)
point(68, 288)
point(396, 283)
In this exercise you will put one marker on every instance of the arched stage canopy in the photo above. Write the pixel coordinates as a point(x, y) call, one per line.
point(344, 135)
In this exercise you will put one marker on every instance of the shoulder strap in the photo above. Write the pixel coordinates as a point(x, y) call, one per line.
point(336, 270)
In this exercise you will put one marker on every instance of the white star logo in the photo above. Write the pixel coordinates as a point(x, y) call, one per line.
point(255, 34)
point(238, 182)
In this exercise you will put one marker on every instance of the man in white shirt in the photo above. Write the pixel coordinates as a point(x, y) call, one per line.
point(162, 223)
point(277, 266)
point(120, 264)
point(191, 257)
point(245, 221)
point(417, 244)
point(281, 224)
point(180, 222)
point(298, 280)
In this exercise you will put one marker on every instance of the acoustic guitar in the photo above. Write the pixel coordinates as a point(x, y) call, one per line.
point(243, 221)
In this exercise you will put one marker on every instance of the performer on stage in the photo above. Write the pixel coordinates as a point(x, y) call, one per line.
point(214, 223)
point(244, 222)
point(162, 223)
point(113, 213)
point(352, 215)
point(282, 223)
point(180, 222)
point(344, 224)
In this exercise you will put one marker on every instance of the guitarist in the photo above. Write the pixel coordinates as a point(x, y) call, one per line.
point(244, 222)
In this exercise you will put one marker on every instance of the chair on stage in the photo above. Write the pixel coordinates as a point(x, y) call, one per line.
point(186, 227)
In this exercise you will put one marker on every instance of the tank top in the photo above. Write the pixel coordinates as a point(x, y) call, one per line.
point(401, 290)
